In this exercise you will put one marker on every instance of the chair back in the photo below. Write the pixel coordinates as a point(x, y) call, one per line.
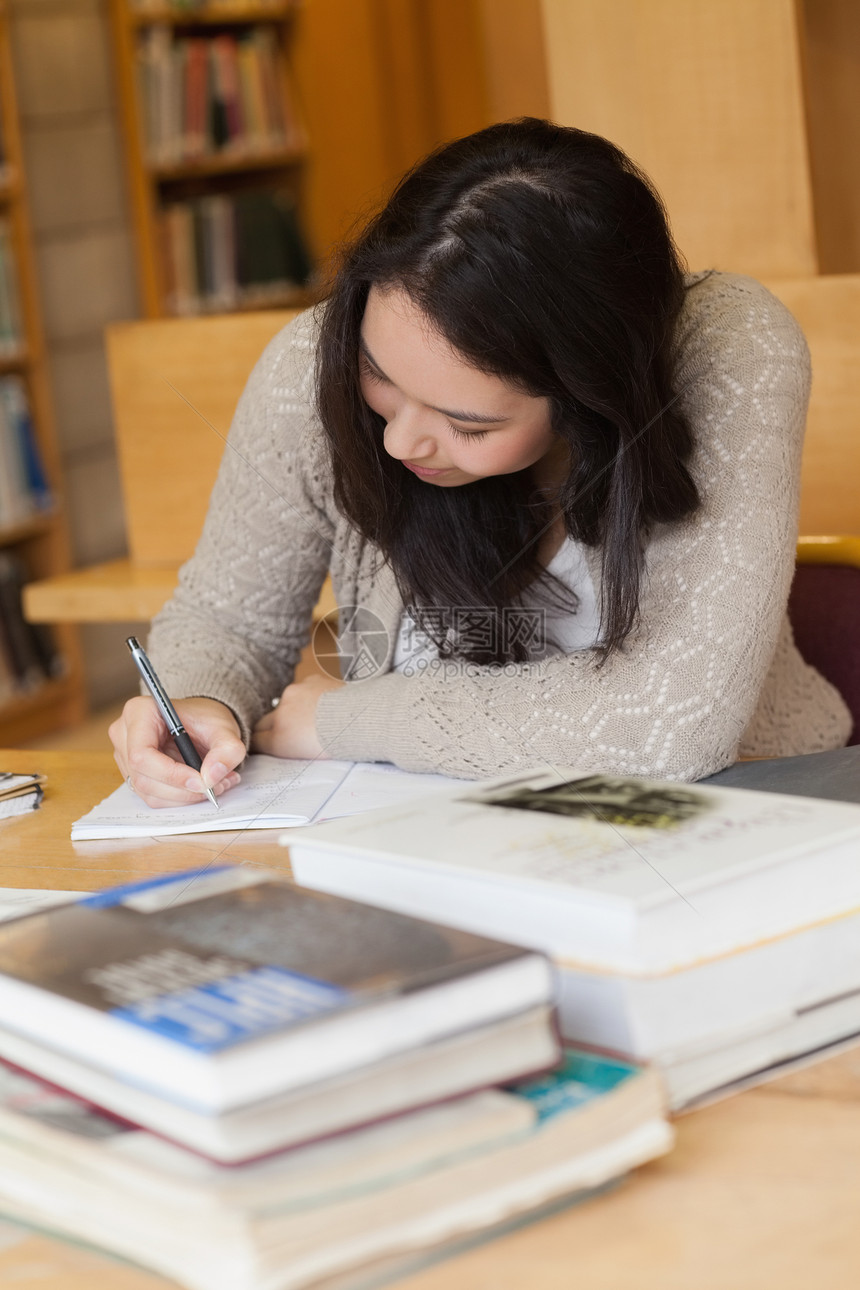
point(828, 310)
point(824, 606)
point(174, 387)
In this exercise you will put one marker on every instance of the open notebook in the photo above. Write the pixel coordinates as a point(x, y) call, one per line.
point(273, 794)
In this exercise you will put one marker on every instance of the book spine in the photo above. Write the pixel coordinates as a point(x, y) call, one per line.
point(15, 501)
point(24, 655)
point(10, 305)
point(216, 109)
point(253, 106)
point(180, 234)
point(32, 470)
point(192, 139)
point(229, 64)
point(267, 58)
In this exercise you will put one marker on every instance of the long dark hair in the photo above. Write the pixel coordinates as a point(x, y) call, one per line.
point(543, 255)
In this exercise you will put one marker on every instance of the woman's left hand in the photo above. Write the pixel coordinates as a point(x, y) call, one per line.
point(289, 730)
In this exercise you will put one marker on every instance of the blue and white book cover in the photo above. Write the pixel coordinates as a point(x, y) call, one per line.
point(212, 959)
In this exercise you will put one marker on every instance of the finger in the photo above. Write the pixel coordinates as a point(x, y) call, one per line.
point(157, 794)
point(224, 755)
point(147, 742)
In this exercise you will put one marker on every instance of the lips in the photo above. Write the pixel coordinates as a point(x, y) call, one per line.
point(423, 471)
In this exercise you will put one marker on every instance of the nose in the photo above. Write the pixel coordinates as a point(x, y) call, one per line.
point(408, 437)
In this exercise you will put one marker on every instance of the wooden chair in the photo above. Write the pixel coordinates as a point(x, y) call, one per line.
point(174, 387)
point(825, 599)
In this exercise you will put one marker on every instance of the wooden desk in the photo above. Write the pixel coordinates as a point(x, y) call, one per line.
point(762, 1192)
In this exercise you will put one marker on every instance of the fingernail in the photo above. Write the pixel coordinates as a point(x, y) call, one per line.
point(216, 772)
point(194, 784)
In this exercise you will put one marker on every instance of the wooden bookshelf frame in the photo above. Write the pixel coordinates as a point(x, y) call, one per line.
point(148, 180)
point(43, 540)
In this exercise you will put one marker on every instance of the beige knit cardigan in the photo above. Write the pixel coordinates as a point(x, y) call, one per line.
point(709, 673)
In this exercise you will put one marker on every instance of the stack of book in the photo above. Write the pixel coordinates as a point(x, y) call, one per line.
point(322, 1089)
point(204, 96)
point(19, 794)
point(226, 250)
point(10, 305)
point(712, 931)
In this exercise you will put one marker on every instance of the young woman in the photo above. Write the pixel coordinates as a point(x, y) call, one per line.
point(555, 482)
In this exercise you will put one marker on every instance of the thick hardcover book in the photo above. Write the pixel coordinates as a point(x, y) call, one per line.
point(712, 930)
point(424, 1076)
point(392, 1194)
point(627, 874)
point(221, 988)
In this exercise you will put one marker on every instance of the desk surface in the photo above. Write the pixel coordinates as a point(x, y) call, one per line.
point(762, 1191)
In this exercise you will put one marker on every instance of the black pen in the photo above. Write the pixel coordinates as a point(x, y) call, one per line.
point(180, 735)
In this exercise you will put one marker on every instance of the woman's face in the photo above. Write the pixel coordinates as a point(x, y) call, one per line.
point(449, 423)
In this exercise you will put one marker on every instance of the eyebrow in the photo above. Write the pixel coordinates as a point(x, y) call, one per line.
point(474, 418)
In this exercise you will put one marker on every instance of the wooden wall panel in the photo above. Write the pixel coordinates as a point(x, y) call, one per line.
point(706, 96)
point(515, 58)
point(381, 82)
point(831, 31)
point(336, 68)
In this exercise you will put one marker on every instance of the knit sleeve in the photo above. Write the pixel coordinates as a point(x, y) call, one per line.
point(241, 613)
point(675, 701)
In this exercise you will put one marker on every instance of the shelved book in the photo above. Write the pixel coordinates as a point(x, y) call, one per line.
point(208, 95)
point(24, 489)
point(28, 651)
point(228, 250)
point(367, 1205)
point(713, 931)
point(233, 1012)
point(11, 329)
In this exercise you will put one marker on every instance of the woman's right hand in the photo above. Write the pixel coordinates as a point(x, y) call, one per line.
point(151, 763)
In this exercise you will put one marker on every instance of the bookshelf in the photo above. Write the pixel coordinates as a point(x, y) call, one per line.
point(215, 151)
point(33, 533)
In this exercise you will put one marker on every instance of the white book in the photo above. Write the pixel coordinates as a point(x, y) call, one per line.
point(331, 1213)
point(273, 794)
point(624, 874)
point(685, 919)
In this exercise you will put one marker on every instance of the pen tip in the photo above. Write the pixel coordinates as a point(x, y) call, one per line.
point(213, 799)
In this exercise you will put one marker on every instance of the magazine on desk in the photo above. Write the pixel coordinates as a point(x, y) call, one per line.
point(274, 793)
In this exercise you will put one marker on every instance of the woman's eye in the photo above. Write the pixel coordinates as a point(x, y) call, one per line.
point(371, 374)
point(471, 435)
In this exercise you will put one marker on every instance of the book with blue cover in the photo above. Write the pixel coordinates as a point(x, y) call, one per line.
point(222, 988)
